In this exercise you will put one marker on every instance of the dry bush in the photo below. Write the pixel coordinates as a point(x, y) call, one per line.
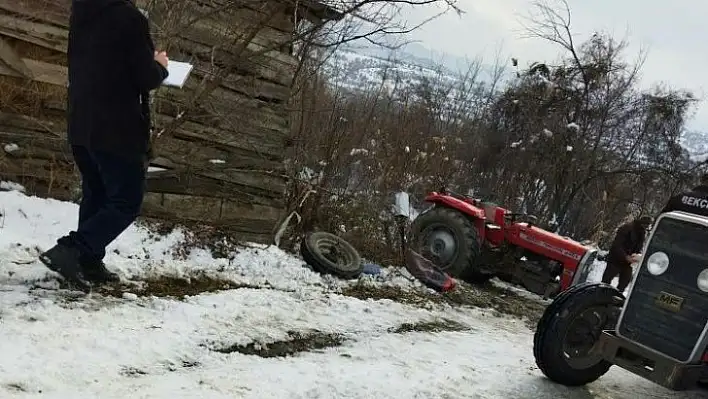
point(35, 52)
point(357, 149)
point(30, 97)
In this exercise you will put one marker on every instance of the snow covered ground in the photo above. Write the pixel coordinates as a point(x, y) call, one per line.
point(54, 345)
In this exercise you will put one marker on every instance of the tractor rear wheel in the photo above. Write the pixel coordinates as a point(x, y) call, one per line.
point(567, 334)
point(450, 240)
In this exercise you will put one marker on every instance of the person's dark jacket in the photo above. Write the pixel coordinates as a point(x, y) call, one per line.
point(628, 240)
point(694, 201)
point(111, 71)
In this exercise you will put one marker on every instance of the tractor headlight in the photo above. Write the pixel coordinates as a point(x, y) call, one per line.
point(702, 280)
point(658, 262)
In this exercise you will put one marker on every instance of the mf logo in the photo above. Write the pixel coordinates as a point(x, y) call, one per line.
point(669, 301)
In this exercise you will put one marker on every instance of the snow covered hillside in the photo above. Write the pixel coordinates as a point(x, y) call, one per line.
point(281, 331)
point(357, 71)
point(360, 68)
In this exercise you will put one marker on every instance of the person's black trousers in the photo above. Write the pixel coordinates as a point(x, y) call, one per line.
point(112, 188)
point(612, 270)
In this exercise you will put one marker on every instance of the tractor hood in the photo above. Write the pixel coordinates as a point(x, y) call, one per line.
point(551, 244)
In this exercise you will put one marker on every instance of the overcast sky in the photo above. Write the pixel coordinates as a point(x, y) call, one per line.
point(675, 34)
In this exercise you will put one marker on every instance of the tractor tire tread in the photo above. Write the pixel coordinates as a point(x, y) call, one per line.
point(321, 265)
point(550, 331)
point(469, 250)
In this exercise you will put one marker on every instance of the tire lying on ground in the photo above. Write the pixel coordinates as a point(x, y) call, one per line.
point(569, 330)
point(329, 254)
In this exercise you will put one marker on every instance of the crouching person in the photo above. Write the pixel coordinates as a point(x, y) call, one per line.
point(113, 66)
point(625, 250)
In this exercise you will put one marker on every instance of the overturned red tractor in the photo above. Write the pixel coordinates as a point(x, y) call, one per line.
point(475, 240)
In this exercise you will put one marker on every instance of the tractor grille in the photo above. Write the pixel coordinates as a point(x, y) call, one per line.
point(674, 333)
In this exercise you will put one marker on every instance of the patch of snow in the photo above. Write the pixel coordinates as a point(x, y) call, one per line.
point(520, 291)
point(310, 175)
point(569, 148)
point(11, 186)
point(217, 161)
point(597, 269)
point(547, 133)
point(515, 144)
point(12, 147)
point(152, 169)
point(573, 126)
point(130, 296)
point(359, 151)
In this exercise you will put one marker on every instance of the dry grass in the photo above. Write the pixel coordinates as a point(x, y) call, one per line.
point(173, 287)
point(430, 327)
point(315, 340)
point(39, 53)
point(16, 387)
point(29, 97)
point(296, 342)
point(156, 286)
point(218, 240)
point(502, 302)
point(136, 372)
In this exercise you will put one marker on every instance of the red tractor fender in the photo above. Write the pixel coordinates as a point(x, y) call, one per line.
point(457, 204)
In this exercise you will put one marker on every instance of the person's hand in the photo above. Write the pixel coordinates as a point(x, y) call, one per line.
point(634, 258)
point(161, 58)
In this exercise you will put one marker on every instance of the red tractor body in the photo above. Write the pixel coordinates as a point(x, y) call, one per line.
point(490, 241)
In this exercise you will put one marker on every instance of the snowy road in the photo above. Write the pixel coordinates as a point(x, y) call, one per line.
point(154, 348)
point(54, 346)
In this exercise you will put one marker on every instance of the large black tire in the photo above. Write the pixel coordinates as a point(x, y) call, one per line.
point(559, 321)
point(463, 263)
point(331, 254)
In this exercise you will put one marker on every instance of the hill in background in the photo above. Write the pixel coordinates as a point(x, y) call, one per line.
point(359, 67)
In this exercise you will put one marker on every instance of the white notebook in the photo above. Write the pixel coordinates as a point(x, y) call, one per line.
point(179, 72)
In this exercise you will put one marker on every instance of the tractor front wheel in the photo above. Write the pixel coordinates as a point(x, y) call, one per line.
point(566, 338)
point(450, 240)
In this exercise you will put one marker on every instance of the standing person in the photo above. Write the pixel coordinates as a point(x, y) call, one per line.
point(113, 66)
point(625, 250)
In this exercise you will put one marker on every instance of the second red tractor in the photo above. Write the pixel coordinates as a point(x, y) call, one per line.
point(475, 240)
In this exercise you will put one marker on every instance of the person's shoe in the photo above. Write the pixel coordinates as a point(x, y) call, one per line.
point(97, 273)
point(64, 260)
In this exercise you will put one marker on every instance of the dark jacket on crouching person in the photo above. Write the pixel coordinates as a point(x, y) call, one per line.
point(628, 240)
point(112, 69)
